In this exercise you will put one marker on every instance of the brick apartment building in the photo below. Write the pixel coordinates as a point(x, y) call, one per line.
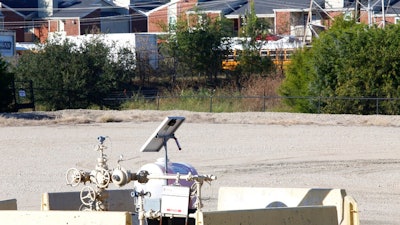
point(34, 20)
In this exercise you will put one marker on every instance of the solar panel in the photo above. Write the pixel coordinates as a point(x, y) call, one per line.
point(161, 135)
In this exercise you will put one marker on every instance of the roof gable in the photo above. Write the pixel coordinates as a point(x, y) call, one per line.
point(145, 7)
point(77, 8)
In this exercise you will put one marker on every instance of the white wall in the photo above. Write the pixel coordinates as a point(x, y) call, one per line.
point(142, 43)
point(334, 4)
point(47, 7)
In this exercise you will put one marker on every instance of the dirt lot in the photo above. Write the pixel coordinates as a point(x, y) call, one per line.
point(357, 153)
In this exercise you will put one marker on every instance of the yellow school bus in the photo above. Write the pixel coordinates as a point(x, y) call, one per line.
point(231, 61)
point(279, 51)
point(280, 57)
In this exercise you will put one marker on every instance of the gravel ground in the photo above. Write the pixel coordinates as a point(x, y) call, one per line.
point(355, 153)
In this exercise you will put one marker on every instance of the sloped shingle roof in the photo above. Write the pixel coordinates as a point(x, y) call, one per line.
point(263, 7)
point(145, 7)
point(393, 9)
point(24, 7)
point(225, 7)
point(76, 8)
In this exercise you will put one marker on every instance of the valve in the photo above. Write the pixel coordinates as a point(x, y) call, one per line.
point(101, 177)
point(87, 195)
point(95, 198)
point(73, 177)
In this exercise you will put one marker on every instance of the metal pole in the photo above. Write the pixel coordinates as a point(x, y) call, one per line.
point(165, 140)
point(264, 101)
point(14, 95)
point(319, 104)
point(166, 155)
point(158, 102)
point(383, 14)
point(211, 101)
point(32, 96)
point(369, 13)
point(308, 23)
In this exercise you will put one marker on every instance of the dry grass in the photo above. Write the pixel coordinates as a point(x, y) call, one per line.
point(259, 86)
point(112, 116)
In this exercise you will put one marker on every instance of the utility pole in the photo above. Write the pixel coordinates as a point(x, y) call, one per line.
point(308, 22)
point(370, 10)
point(359, 6)
point(317, 8)
point(383, 12)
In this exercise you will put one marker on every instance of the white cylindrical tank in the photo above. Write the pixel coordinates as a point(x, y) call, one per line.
point(154, 186)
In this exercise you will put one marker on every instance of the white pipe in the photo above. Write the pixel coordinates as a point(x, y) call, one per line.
point(188, 177)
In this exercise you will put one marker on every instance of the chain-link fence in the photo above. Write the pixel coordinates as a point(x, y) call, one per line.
point(214, 103)
point(152, 100)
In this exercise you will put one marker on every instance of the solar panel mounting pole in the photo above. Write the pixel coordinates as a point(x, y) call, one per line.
point(162, 134)
point(165, 140)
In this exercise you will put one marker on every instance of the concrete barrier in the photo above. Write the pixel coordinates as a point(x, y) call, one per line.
point(64, 217)
point(236, 198)
point(316, 215)
point(10, 204)
point(119, 200)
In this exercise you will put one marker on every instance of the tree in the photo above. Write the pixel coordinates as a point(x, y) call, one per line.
point(253, 31)
point(68, 75)
point(349, 61)
point(195, 46)
point(297, 82)
point(6, 90)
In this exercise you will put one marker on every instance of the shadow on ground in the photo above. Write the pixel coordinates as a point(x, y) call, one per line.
point(28, 116)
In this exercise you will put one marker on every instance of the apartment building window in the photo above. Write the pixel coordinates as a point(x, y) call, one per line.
point(1, 21)
point(29, 34)
point(314, 17)
point(348, 16)
point(172, 17)
point(172, 23)
point(202, 20)
point(61, 24)
point(397, 20)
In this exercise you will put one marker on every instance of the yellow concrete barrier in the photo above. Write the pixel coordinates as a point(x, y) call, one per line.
point(317, 215)
point(235, 198)
point(118, 200)
point(64, 217)
point(10, 204)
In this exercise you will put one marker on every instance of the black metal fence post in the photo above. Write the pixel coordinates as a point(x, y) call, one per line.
point(319, 104)
point(264, 103)
point(158, 102)
point(211, 102)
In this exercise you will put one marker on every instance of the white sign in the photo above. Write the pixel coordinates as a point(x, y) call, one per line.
point(175, 200)
point(7, 44)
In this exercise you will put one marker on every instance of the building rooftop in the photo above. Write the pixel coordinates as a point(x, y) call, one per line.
point(225, 7)
point(24, 7)
point(145, 7)
point(267, 7)
point(76, 8)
